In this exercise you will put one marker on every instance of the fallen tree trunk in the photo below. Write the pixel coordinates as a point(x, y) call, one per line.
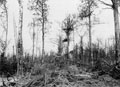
point(115, 72)
point(106, 68)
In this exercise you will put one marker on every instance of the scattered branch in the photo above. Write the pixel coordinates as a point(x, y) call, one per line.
point(105, 3)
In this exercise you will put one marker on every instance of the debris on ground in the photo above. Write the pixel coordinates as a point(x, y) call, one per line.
point(67, 78)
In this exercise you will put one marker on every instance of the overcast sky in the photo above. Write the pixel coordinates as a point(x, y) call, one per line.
point(58, 10)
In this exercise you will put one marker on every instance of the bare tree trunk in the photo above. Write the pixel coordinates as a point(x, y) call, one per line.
point(43, 32)
point(20, 41)
point(81, 49)
point(98, 54)
point(68, 43)
point(37, 43)
point(6, 11)
point(43, 52)
point(13, 51)
point(117, 31)
point(15, 35)
point(60, 47)
point(90, 39)
point(117, 28)
point(33, 39)
point(105, 46)
point(73, 42)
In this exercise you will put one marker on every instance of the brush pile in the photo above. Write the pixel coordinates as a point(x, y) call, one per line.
point(70, 77)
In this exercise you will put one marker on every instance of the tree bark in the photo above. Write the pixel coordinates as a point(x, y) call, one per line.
point(68, 43)
point(6, 11)
point(81, 49)
point(20, 41)
point(43, 32)
point(90, 36)
point(33, 40)
point(117, 30)
point(60, 47)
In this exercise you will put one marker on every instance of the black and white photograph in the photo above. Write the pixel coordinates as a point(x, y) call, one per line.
point(59, 43)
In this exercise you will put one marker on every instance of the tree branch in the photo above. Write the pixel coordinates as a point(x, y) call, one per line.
point(105, 3)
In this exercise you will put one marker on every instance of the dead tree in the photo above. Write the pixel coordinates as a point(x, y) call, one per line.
point(15, 34)
point(41, 11)
point(4, 20)
point(60, 45)
point(86, 11)
point(81, 49)
point(68, 26)
point(19, 39)
point(115, 4)
point(33, 37)
point(6, 12)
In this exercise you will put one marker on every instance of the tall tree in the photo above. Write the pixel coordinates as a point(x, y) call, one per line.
point(6, 13)
point(115, 4)
point(81, 49)
point(41, 11)
point(15, 33)
point(86, 11)
point(33, 37)
point(68, 26)
point(4, 21)
point(20, 41)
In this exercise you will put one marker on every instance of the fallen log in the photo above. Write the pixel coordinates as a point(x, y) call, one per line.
point(112, 70)
point(115, 72)
point(34, 82)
